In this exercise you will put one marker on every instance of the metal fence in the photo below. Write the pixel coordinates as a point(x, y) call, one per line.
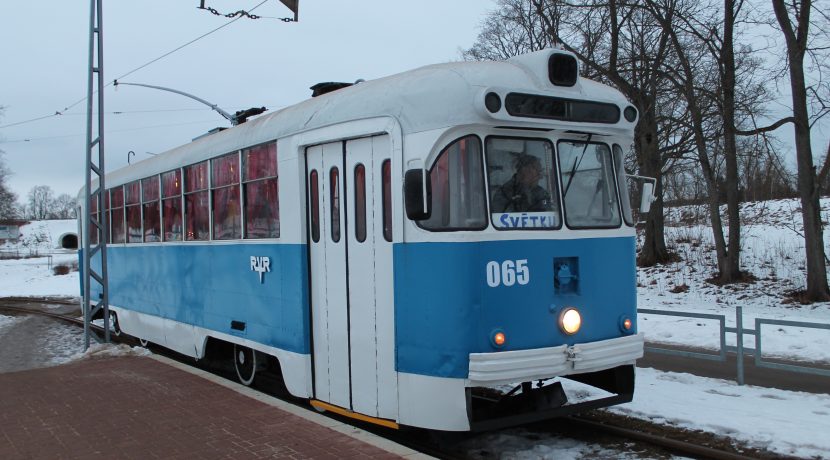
point(739, 349)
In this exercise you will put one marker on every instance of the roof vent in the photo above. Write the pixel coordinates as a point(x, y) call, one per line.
point(326, 87)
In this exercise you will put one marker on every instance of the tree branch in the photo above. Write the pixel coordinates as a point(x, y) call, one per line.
point(766, 129)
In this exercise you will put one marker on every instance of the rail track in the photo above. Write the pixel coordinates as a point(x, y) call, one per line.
point(657, 439)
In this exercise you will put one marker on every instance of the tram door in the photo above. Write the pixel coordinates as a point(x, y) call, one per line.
point(349, 206)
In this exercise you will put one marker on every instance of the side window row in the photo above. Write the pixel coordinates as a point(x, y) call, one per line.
point(238, 190)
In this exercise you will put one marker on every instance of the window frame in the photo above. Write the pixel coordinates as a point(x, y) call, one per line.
point(127, 206)
point(244, 182)
point(360, 221)
point(214, 188)
point(616, 186)
point(112, 209)
point(163, 199)
point(185, 193)
point(150, 202)
point(419, 223)
point(556, 183)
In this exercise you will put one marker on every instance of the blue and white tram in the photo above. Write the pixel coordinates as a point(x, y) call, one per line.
point(406, 248)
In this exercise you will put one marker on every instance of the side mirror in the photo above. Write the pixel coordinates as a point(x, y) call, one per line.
point(647, 198)
point(417, 188)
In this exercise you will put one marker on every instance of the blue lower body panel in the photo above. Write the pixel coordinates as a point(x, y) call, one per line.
point(448, 306)
point(213, 285)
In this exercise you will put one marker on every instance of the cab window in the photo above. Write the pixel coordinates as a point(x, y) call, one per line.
point(458, 198)
point(589, 190)
point(522, 181)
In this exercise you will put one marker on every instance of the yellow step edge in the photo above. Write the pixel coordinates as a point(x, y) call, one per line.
point(347, 413)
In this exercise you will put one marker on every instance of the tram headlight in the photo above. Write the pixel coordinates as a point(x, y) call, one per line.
point(570, 320)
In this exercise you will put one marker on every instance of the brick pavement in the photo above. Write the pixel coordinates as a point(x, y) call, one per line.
point(138, 407)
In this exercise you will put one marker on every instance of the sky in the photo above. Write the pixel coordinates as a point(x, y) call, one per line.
point(250, 63)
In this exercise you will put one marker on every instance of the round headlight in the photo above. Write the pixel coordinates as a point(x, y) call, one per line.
point(570, 321)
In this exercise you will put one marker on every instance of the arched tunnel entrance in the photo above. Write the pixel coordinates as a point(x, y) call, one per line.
point(69, 241)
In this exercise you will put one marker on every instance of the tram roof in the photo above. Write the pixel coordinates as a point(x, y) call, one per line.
point(422, 99)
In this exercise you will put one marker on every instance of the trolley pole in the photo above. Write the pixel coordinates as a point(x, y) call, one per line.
point(95, 223)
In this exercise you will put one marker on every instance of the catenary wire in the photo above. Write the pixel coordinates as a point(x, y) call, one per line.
point(70, 106)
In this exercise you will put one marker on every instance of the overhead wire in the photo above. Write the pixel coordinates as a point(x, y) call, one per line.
point(138, 128)
point(70, 106)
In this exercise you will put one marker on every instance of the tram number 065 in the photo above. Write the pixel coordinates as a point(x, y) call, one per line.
point(507, 273)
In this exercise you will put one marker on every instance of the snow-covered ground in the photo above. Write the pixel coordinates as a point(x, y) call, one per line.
point(772, 251)
point(785, 422)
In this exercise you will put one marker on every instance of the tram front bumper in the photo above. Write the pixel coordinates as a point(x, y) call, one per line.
point(490, 369)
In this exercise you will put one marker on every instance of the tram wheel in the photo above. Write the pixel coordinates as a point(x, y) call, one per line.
point(244, 361)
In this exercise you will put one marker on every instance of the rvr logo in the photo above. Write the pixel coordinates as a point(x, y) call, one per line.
point(260, 265)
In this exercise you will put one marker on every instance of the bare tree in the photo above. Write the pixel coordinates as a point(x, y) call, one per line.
point(63, 207)
point(8, 199)
point(794, 20)
point(40, 202)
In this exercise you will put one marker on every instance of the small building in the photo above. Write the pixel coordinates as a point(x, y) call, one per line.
point(10, 230)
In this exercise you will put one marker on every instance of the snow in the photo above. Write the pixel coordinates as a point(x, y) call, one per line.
point(7, 322)
point(784, 422)
point(39, 251)
point(772, 251)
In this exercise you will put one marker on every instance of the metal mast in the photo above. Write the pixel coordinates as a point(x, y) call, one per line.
point(95, 248)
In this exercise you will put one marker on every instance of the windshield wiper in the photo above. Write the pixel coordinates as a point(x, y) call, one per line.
point(576, 165)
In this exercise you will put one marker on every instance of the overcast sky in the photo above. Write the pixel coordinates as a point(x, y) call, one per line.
point(249, 63)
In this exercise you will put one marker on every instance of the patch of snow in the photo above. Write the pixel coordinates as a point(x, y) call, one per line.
point(7, 322)
point(109, 350)
point(513, 444)
point(785, 422)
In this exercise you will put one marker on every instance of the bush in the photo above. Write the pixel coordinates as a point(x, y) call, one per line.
point(65, 268)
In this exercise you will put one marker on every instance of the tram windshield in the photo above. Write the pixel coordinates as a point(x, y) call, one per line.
point(522, 178)
point(588, 185)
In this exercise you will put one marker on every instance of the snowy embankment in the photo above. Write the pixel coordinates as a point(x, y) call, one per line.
point(39, 251)
point(772, 252)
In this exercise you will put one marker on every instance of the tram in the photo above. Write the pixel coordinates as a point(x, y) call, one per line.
point(442, 248)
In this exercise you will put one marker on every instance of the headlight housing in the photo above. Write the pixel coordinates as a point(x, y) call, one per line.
point(570, 320)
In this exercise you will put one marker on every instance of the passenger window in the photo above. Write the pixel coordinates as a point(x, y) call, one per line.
point(315, 207)
point(150, 204)
point(334, 192)
point(117, 215)
point(386, 173)
point(458, 198)
point(261, 191)
point(588, 185)
point(360, 202)
point(522, 180)
point(196, 200)
point(227, 215)
point(625, 187)
point(132, 197)
point(93, 211)
point(171, 205)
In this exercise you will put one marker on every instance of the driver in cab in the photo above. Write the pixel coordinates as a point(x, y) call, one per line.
point(522, 192)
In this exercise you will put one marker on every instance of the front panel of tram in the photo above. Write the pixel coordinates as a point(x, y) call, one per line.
point(350, 241)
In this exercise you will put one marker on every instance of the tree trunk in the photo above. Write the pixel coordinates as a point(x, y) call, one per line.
point(808, 189)
point(730, 270)
point(654, 247)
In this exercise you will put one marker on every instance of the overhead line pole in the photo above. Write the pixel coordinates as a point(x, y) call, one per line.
point(98, 222)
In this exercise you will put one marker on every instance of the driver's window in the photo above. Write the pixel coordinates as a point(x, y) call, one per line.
point(588, 185)
point(522, 181)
